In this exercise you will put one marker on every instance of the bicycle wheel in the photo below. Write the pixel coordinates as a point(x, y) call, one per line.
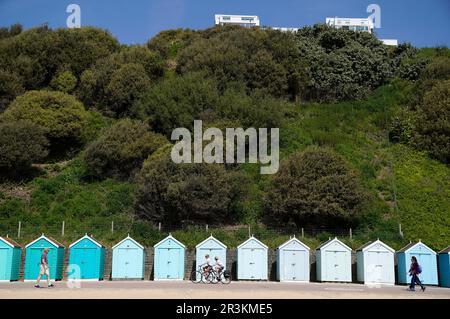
point(225, 280)
point(207, 277)
point(214, 278)
point(196, 276)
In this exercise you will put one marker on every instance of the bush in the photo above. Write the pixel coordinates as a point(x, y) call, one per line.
point(39, 54)
point(185, 193)
point(10, 87)
point(314, 188)
point(432, 131)
point(21, 144)
point(120, 151)
point(127, 84)
point(115, 82)
point(62, 116)
point(176, 102)
point(64, 82)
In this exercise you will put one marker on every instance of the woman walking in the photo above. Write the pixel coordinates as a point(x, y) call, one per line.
point(414, 271)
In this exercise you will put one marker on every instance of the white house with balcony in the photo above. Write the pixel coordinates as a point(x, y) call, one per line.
point(241, 20)
point(354, 24)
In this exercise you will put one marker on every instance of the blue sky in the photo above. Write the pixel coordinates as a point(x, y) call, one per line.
point(421, 22)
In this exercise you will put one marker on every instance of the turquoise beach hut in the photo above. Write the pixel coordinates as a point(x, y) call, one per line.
point(169, 259)
point(128, 260)
point(10, 257)
point(293, 261)
point(252, 262)
point(86, 259)
point(334, 261)
point(444, 267)
point(33, 252)
point(212, 247)
point(375, 263)
point(426, 258)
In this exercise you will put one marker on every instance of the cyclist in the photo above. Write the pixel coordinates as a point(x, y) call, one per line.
point(207, 266)
point(218, 266)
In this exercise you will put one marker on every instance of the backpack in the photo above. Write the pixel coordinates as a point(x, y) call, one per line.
point(419, 269)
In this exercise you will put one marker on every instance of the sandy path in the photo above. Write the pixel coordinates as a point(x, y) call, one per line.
point(188, 290)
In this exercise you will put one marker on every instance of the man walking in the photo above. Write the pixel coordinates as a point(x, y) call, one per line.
point(44, 269)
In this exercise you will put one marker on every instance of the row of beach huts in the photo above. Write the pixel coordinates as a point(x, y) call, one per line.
point(375, 260)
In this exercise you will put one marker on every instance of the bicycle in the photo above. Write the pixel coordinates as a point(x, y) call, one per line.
point(211, 276)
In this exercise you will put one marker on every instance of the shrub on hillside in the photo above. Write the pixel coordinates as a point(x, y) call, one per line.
point(177, 102)
point(314, 188)
point(113, 83)
point(127, 84)
point(38, 54)
point(61, 115)
point(180, 194)
point(316, 63)
point(120, 151)
point(10, 87)
point(22, 143)
point(432, 129)
point(64, 82)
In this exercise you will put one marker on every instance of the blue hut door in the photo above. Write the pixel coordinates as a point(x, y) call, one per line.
point(375, 264)
point(169, 263)
point(337, 264)
point(425, 261)
point(86, 257)
point(291, 264)
point(129, 262)
point(35, 262)
point(254, 257)
point(3, 263)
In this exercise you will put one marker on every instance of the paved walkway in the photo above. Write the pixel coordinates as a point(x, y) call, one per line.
point(188, 290)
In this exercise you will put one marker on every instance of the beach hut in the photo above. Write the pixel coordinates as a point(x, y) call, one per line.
point(375, 263)
point(169, 259)
point(293, 261)
point(334, 261)
point(33, 252)
point(212, 247)
point(128, 259)
point(252, 261)
point(10, 257)
point(444, 267)
point(427, 260)
point(86, 259)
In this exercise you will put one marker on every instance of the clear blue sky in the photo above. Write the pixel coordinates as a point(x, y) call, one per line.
point(421, 22)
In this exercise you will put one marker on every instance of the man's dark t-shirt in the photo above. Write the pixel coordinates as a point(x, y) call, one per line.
point(44, 260)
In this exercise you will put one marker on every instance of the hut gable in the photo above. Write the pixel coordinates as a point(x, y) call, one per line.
point(88, 238)
point(252, 242)
point(211, 241)
point(168, 238)
point(293, 243)
point(336, 242)
point(375, 245)
point(10, 242)
point(50, 240)
point(412, 245)
point(128, 238)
